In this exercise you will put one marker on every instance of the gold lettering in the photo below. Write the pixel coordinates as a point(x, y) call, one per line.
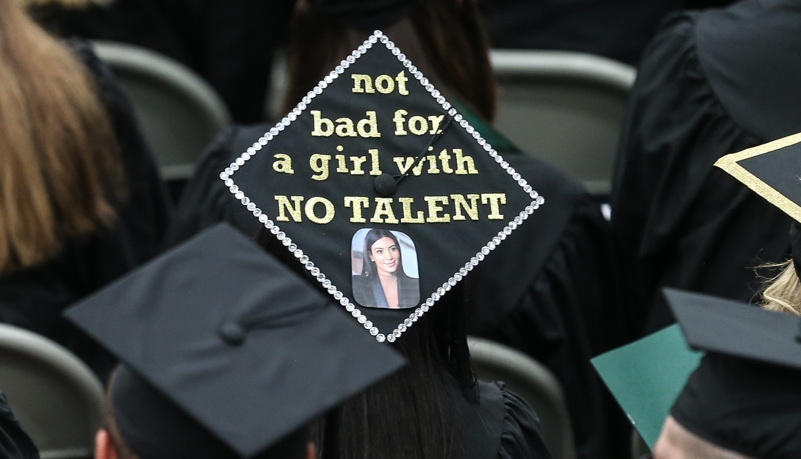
point(383, 208)
point(400, 120)
point(319, 164)
point(460, 203)
point(368, 127)
point(461, 160)
point(319, 122)
point(407, 212)
point(357, 203)
point(402, 168)
point(418, 125)
point(284, 205)
point(345, 127)
point(357, 165)
point(445, 158)
point(435, 122)
point(385, 84)
point(329, 210)
point(432, 164)
point(402, 79)
point(434, 209)
point(283, 164)
point(494, 199)
point(374, 167)
point(358, 79)
point(342, 167)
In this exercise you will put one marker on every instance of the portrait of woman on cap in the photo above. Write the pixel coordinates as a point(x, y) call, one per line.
point(380, 279)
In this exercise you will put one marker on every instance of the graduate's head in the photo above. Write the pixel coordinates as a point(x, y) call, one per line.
point(140, 423)
point(381, 253)
point(376, 149)
point(225, 354)
point(772, 170)
point(745, 394)
point(446, 39)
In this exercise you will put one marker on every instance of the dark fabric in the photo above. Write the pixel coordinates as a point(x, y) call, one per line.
point(745, 406)
point(618, 29)
point(14, 442)
point(34, 298)
point(677, 220)
point(565, 314)
point(556, 303)
point(502, 425)
point(241, 344)
point(230, 43)
point(361, 15)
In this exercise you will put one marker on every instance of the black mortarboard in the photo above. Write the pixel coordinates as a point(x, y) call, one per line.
point(375, 146)
point(746, 393)
point(248, 350)
point(773, 170)
point(364, 15)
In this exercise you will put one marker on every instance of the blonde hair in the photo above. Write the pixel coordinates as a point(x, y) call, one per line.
point(782, 292)
point(59, 160)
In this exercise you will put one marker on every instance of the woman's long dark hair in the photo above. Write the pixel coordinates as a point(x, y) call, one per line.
point(368, 265)
point(411, 414)
point(446, 40)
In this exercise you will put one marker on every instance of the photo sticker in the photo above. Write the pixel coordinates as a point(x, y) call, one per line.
point(384, 269)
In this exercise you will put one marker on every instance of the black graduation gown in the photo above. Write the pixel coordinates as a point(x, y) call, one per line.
point(710, 84)
point(618, 29)
point(14, 442)
point(559, 308)
point(502, 426)
point(34, 298)
point(229, 43)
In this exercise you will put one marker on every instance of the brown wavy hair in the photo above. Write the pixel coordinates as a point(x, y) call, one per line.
point(59, 159)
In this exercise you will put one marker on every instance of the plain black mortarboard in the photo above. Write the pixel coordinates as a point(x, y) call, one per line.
point(773, 170)
point(746, 393)
point(376, 146)
point(249, 350)
point(364, 15)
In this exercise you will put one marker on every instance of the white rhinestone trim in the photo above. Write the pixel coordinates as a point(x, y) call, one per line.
point(228, 173)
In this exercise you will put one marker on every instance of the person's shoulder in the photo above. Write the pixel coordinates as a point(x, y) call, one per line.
point(14, 442)
point(520, 436)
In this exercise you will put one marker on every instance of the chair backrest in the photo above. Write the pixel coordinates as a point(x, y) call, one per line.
point(531, 380)
point(565, 108)
point(55, 396)
point(179, 112)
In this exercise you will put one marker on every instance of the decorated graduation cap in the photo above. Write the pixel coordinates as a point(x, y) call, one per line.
point(224, 351)
point(746, 393)
point(385, 193)
point(773, 170)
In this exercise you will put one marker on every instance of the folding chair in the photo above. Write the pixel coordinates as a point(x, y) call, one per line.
point(55, 396)
point(565, 108)
point(180, 113)
point(531, 380)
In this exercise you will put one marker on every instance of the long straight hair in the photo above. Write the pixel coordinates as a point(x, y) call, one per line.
point(59, 160)
point(411, 414)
